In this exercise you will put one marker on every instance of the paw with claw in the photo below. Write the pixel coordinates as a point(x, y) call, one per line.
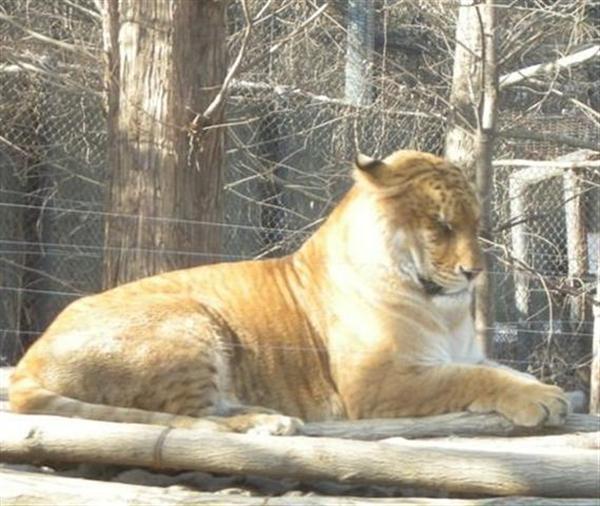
point(529, 404)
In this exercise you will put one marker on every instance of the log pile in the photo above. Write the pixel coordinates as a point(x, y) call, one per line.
point(504, 466)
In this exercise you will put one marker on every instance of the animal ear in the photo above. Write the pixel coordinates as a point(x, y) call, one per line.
point(366, 163)
point(369, 170)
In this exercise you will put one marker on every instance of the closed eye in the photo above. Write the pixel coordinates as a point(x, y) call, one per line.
point(444, 226)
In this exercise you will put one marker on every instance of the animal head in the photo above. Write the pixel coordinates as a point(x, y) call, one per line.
point(431, 216)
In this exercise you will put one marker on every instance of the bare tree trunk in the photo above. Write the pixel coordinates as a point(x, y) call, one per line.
point(464, 90)
point(470, 138)
point(166, 62)
point(359, 52)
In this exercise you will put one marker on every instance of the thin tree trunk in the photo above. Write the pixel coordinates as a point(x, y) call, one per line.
point(166, 62)
point(464, 90)
point(484, 149)
point(359, 52)
point(470, 138)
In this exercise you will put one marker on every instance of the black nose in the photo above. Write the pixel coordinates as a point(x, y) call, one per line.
point(470, 273)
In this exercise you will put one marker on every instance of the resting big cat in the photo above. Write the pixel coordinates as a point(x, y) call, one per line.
point(370, 318)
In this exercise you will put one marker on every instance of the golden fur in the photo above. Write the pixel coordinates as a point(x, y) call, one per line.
point(370, 318)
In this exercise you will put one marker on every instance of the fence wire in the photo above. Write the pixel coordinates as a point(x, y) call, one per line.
point(292, 131)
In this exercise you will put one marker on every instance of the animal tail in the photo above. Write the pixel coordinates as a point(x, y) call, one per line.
point(27, 395)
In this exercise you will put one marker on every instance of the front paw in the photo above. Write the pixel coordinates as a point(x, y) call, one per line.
point(274, 425)
point(530, 404)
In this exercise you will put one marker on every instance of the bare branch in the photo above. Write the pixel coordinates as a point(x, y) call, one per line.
point(220, 97)
point(89, 12)
point(549, 68)
point(293, 33)
point(282, 90)
point(44, 38)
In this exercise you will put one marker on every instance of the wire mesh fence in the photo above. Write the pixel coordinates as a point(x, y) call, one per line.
point(292, 131)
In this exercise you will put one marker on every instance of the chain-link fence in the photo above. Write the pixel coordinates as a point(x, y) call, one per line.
point(292, 131)
point(52, 147)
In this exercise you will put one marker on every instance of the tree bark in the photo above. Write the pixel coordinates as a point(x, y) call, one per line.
point(470, 138)
point(166, 62)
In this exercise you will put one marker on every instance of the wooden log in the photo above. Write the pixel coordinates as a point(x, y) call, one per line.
point(33, 438)
point(451, 424)
point(550, 444)
point(35, 489)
